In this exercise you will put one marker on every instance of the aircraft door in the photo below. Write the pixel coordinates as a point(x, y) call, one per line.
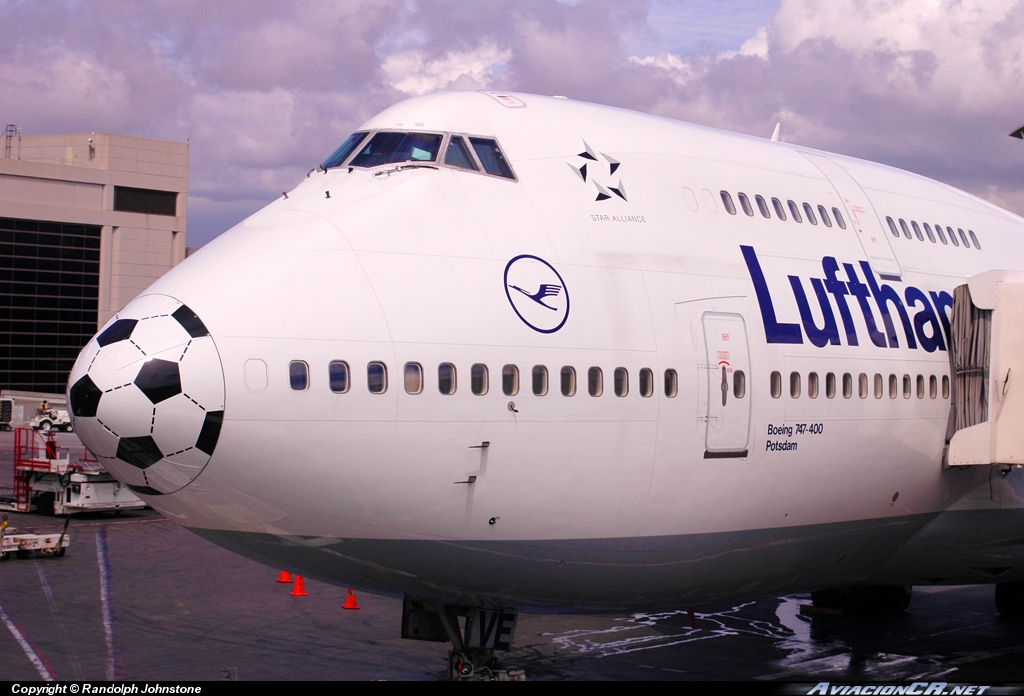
point(727, 371)
point(861, 217)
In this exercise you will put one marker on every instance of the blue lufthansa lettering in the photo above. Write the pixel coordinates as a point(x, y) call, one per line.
point(926, 317)
point(943, 300)
point(883, 296)
point(839, 292)
point(829, 333)
point(774, 332)
point(929, 326)
point(862, 293)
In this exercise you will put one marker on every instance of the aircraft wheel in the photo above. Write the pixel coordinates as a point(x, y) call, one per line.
point(1010, 599)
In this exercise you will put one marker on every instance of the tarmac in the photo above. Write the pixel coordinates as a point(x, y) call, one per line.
point(137, 597)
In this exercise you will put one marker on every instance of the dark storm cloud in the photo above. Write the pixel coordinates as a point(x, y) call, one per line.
point(264, 90)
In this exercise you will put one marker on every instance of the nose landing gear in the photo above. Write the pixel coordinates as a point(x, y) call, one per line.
point(472, 657)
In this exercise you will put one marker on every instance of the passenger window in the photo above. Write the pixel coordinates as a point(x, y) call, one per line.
point(621, 381)
point(907, 387)
point(337, 374)
point(647, 382)
point(595, 381)
point(894, 386)
point(727, 202)
point(489, 154)
point(830, 386)
point(478, 379)
point(824, 216)
point(879, 386)
point(917, 230)
point(447, 379)
point(413, 378)
point(298, 375)
point(377, 377)
point(795, 211)
point(862, 386)
point(709, 200)
point(928, 231)
point(952, 236)
point(388, 147)
point(779, 209)
point(963, 238)
point(671, 383)
point(933, 387)
point(839, 218)
point(776, 385)
point(691, 200)
point(974, 239)
point(458, 154)
point(809, 213)
point(739, 383)
point(812, 385)
point(540, 380)
point(794, 385)
point(942, 237)
point(847, 386)
point(568, 381)
point(906, 230)
point(745, 204)
point(762, 206)
point(892, 227)
point(945, 386)
point(920, 386)
point(510, 380)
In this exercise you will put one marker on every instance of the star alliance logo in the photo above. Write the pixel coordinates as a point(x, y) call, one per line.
point(592, 167)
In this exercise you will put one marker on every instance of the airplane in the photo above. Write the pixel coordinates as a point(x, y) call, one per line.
point(504, 352)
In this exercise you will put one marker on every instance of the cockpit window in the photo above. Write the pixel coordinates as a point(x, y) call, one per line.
point(458, 154)
point(490, 156)
point(346, 149)
point(389, 147)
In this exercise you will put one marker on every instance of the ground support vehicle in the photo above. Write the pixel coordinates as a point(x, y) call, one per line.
point(55, 419)
point(50, 483)
point(23, 544)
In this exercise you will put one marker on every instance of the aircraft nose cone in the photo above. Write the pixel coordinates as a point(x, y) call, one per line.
point(146, 395)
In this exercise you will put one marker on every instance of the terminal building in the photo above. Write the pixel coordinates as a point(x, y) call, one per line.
point(87, 222)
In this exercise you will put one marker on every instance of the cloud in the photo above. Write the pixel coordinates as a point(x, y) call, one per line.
point(412, 72)
point(263, 90)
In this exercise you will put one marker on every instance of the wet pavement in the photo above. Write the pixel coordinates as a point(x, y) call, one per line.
point(137, 597)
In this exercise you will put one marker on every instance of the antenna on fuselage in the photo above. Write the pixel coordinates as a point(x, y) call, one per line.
point(775, 133)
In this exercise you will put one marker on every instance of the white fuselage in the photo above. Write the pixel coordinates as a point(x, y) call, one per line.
point(583, 501)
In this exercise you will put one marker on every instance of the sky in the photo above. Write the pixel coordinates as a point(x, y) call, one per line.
point(263, 90)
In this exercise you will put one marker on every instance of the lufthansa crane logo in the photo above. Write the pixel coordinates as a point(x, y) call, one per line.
point(593, 167)
point(537, 293)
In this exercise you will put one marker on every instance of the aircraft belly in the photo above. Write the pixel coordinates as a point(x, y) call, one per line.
point(611, 574)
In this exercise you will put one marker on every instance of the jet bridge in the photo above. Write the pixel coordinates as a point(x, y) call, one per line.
point(987, 365)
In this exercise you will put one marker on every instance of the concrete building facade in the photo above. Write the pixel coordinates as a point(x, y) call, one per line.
point(87, 222)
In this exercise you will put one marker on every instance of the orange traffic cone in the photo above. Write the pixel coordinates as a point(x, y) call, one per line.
point(350, 601)
point(300, 587)
point(284, 577)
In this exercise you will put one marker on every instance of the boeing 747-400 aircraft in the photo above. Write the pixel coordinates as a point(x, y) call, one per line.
point(506, 352)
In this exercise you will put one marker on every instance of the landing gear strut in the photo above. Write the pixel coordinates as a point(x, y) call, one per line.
point(472, 657)
point(1010, 599)
point(865, 600)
